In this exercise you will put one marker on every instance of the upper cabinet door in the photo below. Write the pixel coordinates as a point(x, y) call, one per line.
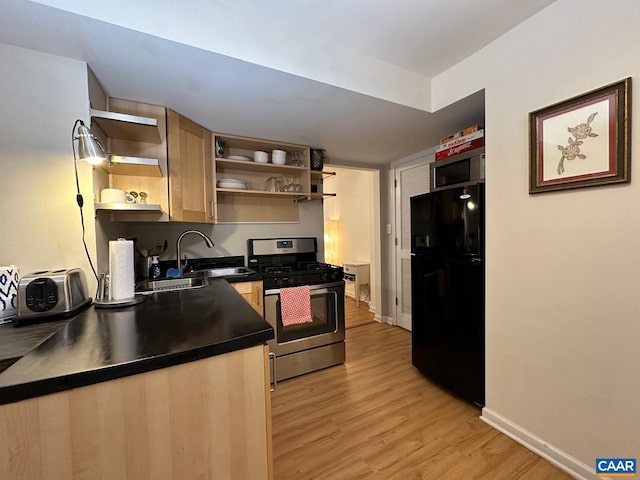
point(190, 170)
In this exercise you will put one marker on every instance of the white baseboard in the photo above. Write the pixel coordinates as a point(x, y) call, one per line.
point(559, 458)
point(383, 319)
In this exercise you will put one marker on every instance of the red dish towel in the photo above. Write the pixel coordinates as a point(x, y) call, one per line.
point(295, 305)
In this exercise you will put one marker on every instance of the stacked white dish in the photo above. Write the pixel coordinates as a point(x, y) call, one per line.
point(237, 157)
point(232, 183)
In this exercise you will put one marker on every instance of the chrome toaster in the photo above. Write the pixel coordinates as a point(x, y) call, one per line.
point(52, 293)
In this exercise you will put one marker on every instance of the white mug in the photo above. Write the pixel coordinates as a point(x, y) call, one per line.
point(279, 157)
point(260, 156)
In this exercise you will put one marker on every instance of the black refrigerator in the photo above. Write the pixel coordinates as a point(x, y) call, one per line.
point(447, 288)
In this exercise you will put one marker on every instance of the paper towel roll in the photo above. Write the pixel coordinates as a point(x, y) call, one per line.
point(121, 269)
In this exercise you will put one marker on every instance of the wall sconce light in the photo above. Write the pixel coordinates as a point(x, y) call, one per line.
point(89, 150)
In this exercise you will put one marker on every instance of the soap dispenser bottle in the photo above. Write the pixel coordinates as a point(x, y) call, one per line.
point(154, 268)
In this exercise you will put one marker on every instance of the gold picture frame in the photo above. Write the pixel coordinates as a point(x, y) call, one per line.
point(582, 142)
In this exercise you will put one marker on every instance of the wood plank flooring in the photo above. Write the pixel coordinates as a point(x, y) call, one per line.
point(376, 417)
point(356, 315)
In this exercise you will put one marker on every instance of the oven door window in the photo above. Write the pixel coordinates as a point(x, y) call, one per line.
point(323, 311)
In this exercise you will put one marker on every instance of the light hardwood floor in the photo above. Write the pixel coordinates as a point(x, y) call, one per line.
point(376, 417)
point(356, 315)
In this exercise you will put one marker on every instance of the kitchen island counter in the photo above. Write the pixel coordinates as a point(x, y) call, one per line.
point(168, 328)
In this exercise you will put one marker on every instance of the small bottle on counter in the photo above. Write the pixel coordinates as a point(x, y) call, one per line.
point(154, 268)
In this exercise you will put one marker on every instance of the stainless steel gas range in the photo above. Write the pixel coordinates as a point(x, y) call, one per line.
point(287, 263)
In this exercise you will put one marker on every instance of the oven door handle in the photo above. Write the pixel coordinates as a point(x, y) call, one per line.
point(315, 289)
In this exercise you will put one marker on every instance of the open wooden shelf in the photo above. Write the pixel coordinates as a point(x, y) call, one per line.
point(264, 193)
point(129, 207)
point(323, 174)
point(251, 166)
point(125, 165)
point(123, 126)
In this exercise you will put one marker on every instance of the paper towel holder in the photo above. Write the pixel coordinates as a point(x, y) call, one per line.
point(102, 297)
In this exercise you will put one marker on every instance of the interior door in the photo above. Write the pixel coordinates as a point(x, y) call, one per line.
point(410, 180)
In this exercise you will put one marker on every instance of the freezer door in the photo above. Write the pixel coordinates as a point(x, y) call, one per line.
point(450, 222)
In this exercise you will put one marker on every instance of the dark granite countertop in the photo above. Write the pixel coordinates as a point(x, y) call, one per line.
point(167, 329)
point(16, 342)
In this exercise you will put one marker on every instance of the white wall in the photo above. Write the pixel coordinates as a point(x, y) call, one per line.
point(41, 96)
point(229, 239)
point(563, 315)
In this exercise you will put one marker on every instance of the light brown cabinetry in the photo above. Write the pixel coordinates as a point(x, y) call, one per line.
point(171, 158)
point(255, 203)
point(191, 178)
point(209, 418)
point(135, 137)
point(252, 292)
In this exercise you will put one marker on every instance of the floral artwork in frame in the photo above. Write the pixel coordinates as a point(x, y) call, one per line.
point(581, 142)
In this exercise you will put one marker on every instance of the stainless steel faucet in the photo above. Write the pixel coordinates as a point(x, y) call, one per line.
point(206, 239)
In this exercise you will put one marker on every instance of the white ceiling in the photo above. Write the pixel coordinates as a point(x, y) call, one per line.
point(351, 77)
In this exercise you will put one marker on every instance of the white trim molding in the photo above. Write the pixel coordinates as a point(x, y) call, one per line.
point(559, 458)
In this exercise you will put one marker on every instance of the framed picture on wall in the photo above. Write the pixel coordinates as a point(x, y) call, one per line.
point(582, 142)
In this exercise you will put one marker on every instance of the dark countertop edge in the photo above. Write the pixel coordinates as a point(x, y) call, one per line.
point(7, 361)
point(38, 388)
point(243, 278)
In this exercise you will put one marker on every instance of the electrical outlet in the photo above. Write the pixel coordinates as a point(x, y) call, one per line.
point(388, 228)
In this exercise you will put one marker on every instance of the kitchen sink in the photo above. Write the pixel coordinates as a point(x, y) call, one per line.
point(170, 285)
point(219, 272)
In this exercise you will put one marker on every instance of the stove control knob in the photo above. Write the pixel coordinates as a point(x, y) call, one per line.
point(279, 282)
point(323, 277)
point(290, 280)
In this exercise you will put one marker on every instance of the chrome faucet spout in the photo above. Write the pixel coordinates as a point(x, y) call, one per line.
point(206, 239)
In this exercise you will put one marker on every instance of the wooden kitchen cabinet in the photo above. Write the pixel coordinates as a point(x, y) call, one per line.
point(135, 137)
point(255, 204)
point(252, 292)
point(209, 418)
point(172, 159)
point(191, 174)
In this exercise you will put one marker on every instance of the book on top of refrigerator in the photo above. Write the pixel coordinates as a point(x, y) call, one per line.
point(458, 141)
point(461, 133)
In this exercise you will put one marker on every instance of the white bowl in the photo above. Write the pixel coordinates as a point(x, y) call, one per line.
point(260, 157)
point(113, 195)
point(279, 157)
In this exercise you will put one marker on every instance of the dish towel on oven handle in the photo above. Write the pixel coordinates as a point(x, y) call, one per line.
point(295, 305)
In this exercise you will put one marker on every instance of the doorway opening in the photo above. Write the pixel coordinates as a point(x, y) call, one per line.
point(352, 238)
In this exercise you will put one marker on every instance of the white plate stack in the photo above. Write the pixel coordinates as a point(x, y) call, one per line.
point(232, 183)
